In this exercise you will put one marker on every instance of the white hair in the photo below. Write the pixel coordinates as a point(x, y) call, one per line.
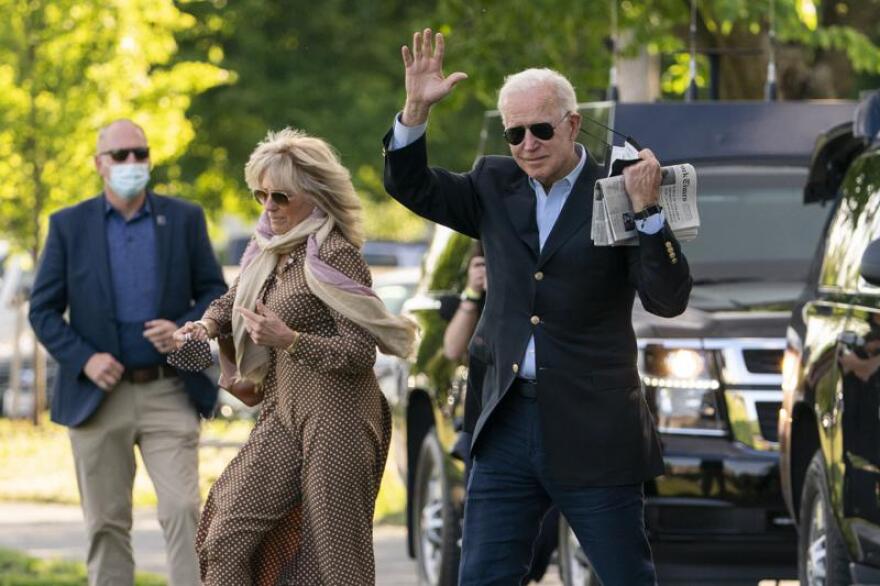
point(535, 78)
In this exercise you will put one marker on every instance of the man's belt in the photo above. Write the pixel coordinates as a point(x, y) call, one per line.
point(525, 388)
point(149, 374)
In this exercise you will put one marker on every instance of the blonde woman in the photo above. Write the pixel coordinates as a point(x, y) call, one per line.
point(296, 504)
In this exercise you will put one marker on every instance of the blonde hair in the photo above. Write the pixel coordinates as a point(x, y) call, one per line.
point(532, 79)
point(292, 160)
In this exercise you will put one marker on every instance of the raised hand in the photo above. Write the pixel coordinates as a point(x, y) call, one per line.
point(425, 83)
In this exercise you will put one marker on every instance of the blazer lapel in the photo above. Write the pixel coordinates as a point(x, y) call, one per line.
point(520, 203)
point(577, 211)
point(162, 225)
point(97, 228)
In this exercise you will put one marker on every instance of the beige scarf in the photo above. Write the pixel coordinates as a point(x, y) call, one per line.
point(394, 334)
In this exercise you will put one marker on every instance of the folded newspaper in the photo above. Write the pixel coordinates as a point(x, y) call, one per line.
point(613, 221)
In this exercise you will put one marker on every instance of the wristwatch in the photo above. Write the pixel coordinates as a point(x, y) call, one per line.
point(470, 295)
point(648, 212)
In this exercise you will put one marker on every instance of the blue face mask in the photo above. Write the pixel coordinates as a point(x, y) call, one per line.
point(127, 180)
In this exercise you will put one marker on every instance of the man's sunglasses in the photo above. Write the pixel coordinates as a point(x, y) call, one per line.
point(279, 197)
point(119, 155)
point(542, 131)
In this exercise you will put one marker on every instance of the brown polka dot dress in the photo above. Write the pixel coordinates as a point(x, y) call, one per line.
point(295, 506)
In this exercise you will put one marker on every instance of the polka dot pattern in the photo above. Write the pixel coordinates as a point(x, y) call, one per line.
point(295, 506)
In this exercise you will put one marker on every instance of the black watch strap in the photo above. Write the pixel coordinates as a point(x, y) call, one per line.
point(648, 212)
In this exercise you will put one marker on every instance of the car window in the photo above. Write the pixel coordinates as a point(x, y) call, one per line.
point(754, 225)
point(856, 223)
point(393, 296)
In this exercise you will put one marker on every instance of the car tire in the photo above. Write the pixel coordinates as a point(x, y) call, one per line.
point(822, 556)
point(436, 522)
point(574, 567)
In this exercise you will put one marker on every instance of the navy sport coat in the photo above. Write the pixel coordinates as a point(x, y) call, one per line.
point(74, 276)
point(574, 297)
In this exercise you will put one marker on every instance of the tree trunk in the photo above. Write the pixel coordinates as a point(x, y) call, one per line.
point(36, 158)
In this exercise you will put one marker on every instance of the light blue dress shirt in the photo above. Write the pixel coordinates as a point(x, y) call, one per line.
point(548, 206)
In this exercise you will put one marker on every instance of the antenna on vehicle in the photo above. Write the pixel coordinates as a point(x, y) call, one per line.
point(770, 85)
point(613, 93)
point(691, 92)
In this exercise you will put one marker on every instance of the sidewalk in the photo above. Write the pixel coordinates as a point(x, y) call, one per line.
point(57, 531)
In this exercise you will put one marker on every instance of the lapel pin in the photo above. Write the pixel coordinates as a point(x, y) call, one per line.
point(160, 220)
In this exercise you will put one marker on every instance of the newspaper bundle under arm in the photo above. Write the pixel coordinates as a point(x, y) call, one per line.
point(613, 222)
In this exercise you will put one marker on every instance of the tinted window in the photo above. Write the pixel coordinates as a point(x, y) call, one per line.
point(754, 224)
point(854, 225)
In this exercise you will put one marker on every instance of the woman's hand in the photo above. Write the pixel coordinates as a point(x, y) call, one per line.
point(266, 328)
point(191, 331)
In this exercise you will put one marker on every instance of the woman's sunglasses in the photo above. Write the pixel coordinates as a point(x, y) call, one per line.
point(279, 197)
point(542, 131)
point(119, 155)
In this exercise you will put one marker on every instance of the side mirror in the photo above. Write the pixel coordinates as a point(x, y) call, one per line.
point(870, 267)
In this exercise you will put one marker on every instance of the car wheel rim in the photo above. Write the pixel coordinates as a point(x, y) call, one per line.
point(431, 525)
point(817, 546)
point(580, 571)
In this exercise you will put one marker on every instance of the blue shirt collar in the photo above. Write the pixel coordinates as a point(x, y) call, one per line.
point(569, 180)
point(145, 210)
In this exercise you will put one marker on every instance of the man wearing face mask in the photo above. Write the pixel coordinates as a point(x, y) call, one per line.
point(130, 266)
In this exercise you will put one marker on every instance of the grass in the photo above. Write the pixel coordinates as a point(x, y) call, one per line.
point(17, 569)
point(36, 465)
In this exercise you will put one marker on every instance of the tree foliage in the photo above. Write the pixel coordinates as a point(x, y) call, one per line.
point(499, 37)
point(331, 68)
point(208, 78)
point(67, 68)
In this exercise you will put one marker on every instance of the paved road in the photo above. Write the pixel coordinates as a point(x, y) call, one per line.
point(57, 531)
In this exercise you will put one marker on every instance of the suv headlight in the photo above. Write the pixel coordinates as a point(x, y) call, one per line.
point(682, 389)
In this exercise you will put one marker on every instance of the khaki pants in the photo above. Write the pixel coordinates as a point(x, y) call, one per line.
point(160, 420)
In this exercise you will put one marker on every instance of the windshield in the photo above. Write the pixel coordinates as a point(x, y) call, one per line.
point(753, 225)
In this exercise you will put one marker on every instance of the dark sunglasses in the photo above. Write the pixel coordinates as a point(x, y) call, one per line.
point(279, 197)
point(119, 155)
point(542, 131)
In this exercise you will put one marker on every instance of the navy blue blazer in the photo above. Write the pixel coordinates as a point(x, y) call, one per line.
point(74, 274)
point(576, 300)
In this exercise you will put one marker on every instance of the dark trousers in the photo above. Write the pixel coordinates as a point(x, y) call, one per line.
point(509, 493)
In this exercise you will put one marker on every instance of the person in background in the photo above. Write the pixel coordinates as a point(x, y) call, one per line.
point(128, 266)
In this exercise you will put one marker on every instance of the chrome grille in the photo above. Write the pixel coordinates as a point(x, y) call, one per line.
point(763, 361)
point(768, 416)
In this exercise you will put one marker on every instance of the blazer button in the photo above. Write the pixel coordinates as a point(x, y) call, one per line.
point(539, 276)
point(535, 320)
point(515, 368)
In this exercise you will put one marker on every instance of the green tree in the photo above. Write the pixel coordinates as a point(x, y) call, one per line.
point(68, 67)
point(822, 47)
point(332, 68)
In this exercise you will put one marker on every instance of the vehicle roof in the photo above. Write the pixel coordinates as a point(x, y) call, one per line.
point(732, 132)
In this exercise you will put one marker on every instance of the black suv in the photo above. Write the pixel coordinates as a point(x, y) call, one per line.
point(712, 375)
point(829, 424)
